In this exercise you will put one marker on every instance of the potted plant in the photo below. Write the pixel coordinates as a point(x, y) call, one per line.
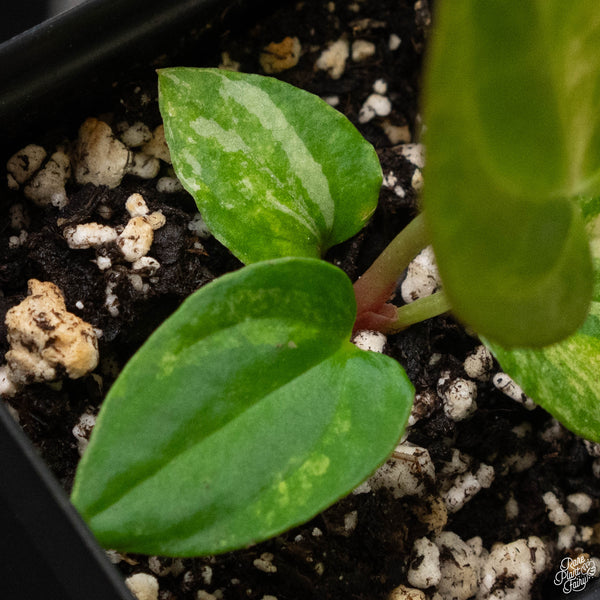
point(140, 478)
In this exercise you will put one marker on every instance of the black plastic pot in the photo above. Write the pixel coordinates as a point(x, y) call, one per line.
point(66, 65)
point(47, 550)
point(57, 71)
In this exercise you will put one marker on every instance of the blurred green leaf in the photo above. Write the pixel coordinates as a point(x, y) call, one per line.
point(563, 377)
point(513, 138)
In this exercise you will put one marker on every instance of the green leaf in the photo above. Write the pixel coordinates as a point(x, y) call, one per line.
point(563, 377)
point(247, 412)
point(274, 170)
point(513, 137)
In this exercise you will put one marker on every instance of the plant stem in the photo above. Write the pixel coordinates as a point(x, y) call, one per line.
point(374, 288)
point(420, 310)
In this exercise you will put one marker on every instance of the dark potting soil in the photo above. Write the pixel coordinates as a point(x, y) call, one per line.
point(325, 558)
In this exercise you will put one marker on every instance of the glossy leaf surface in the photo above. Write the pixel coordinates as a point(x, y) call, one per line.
point(513, 137)
point(275, 171)
point(245, 413)
point(563, 377)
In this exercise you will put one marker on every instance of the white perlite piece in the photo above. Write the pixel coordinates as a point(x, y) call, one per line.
point(166, 567)
point(458, 397)
point(458, 463)
point(103, 262)
point(146, 265)
point(553, 432)
point(459, 566)
point(199, 227)
point(566, 537)
point(579, 503)
point(424, 568)
point(592, 448)
point(207, 574)
point(520, 562)
point(370, 340)
point(397, 134)
point(333, 59)
point(509, 388)
point(134, 242)
point(265, 564)
point(422, 277)
point(522, 430)
point(417, 182)
point(24, 163)
point(15, 241)
point(89, 235)
point(168, 185)
point(83, 430)
point(394, 42)
point(380, 86)
point(143, 165)
point(391, 181)
point(556, 513)
point(466, 485)
point(7, 385)
point(45, 339)
point(136, 206)
point(511, 508)
point(479, 364)
point(375, 105)
point(143, 585)
point(423, 406)
point(362, 49)
point(157, 146)
point(405, 593)
point(111, 300)
point(408, 472)
point(136, 135)
point(100, 158)
point(414, 153)
point(350, 522)
point(47, 187)
point(137, 237)
point(518, 462)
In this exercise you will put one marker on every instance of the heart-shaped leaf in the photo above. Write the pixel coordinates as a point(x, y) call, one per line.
point(563, 377)
point(245, 413)
point(275, 171)
point(513, 137)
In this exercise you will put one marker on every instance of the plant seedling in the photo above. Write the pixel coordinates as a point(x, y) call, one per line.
point(248, 411)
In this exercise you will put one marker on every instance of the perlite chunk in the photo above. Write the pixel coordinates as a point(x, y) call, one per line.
point(278, 57)
point(24, 163)
point(46, 340)
point(100, 158)
point(48, 185)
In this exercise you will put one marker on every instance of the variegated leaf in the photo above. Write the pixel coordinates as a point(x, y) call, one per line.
point(275, 171)
point(564, 378)
point(246, 413)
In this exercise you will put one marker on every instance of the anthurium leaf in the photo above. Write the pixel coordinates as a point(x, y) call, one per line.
point(563, 377)
point(245, 413)
point(274, 170)
point(513, 137)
